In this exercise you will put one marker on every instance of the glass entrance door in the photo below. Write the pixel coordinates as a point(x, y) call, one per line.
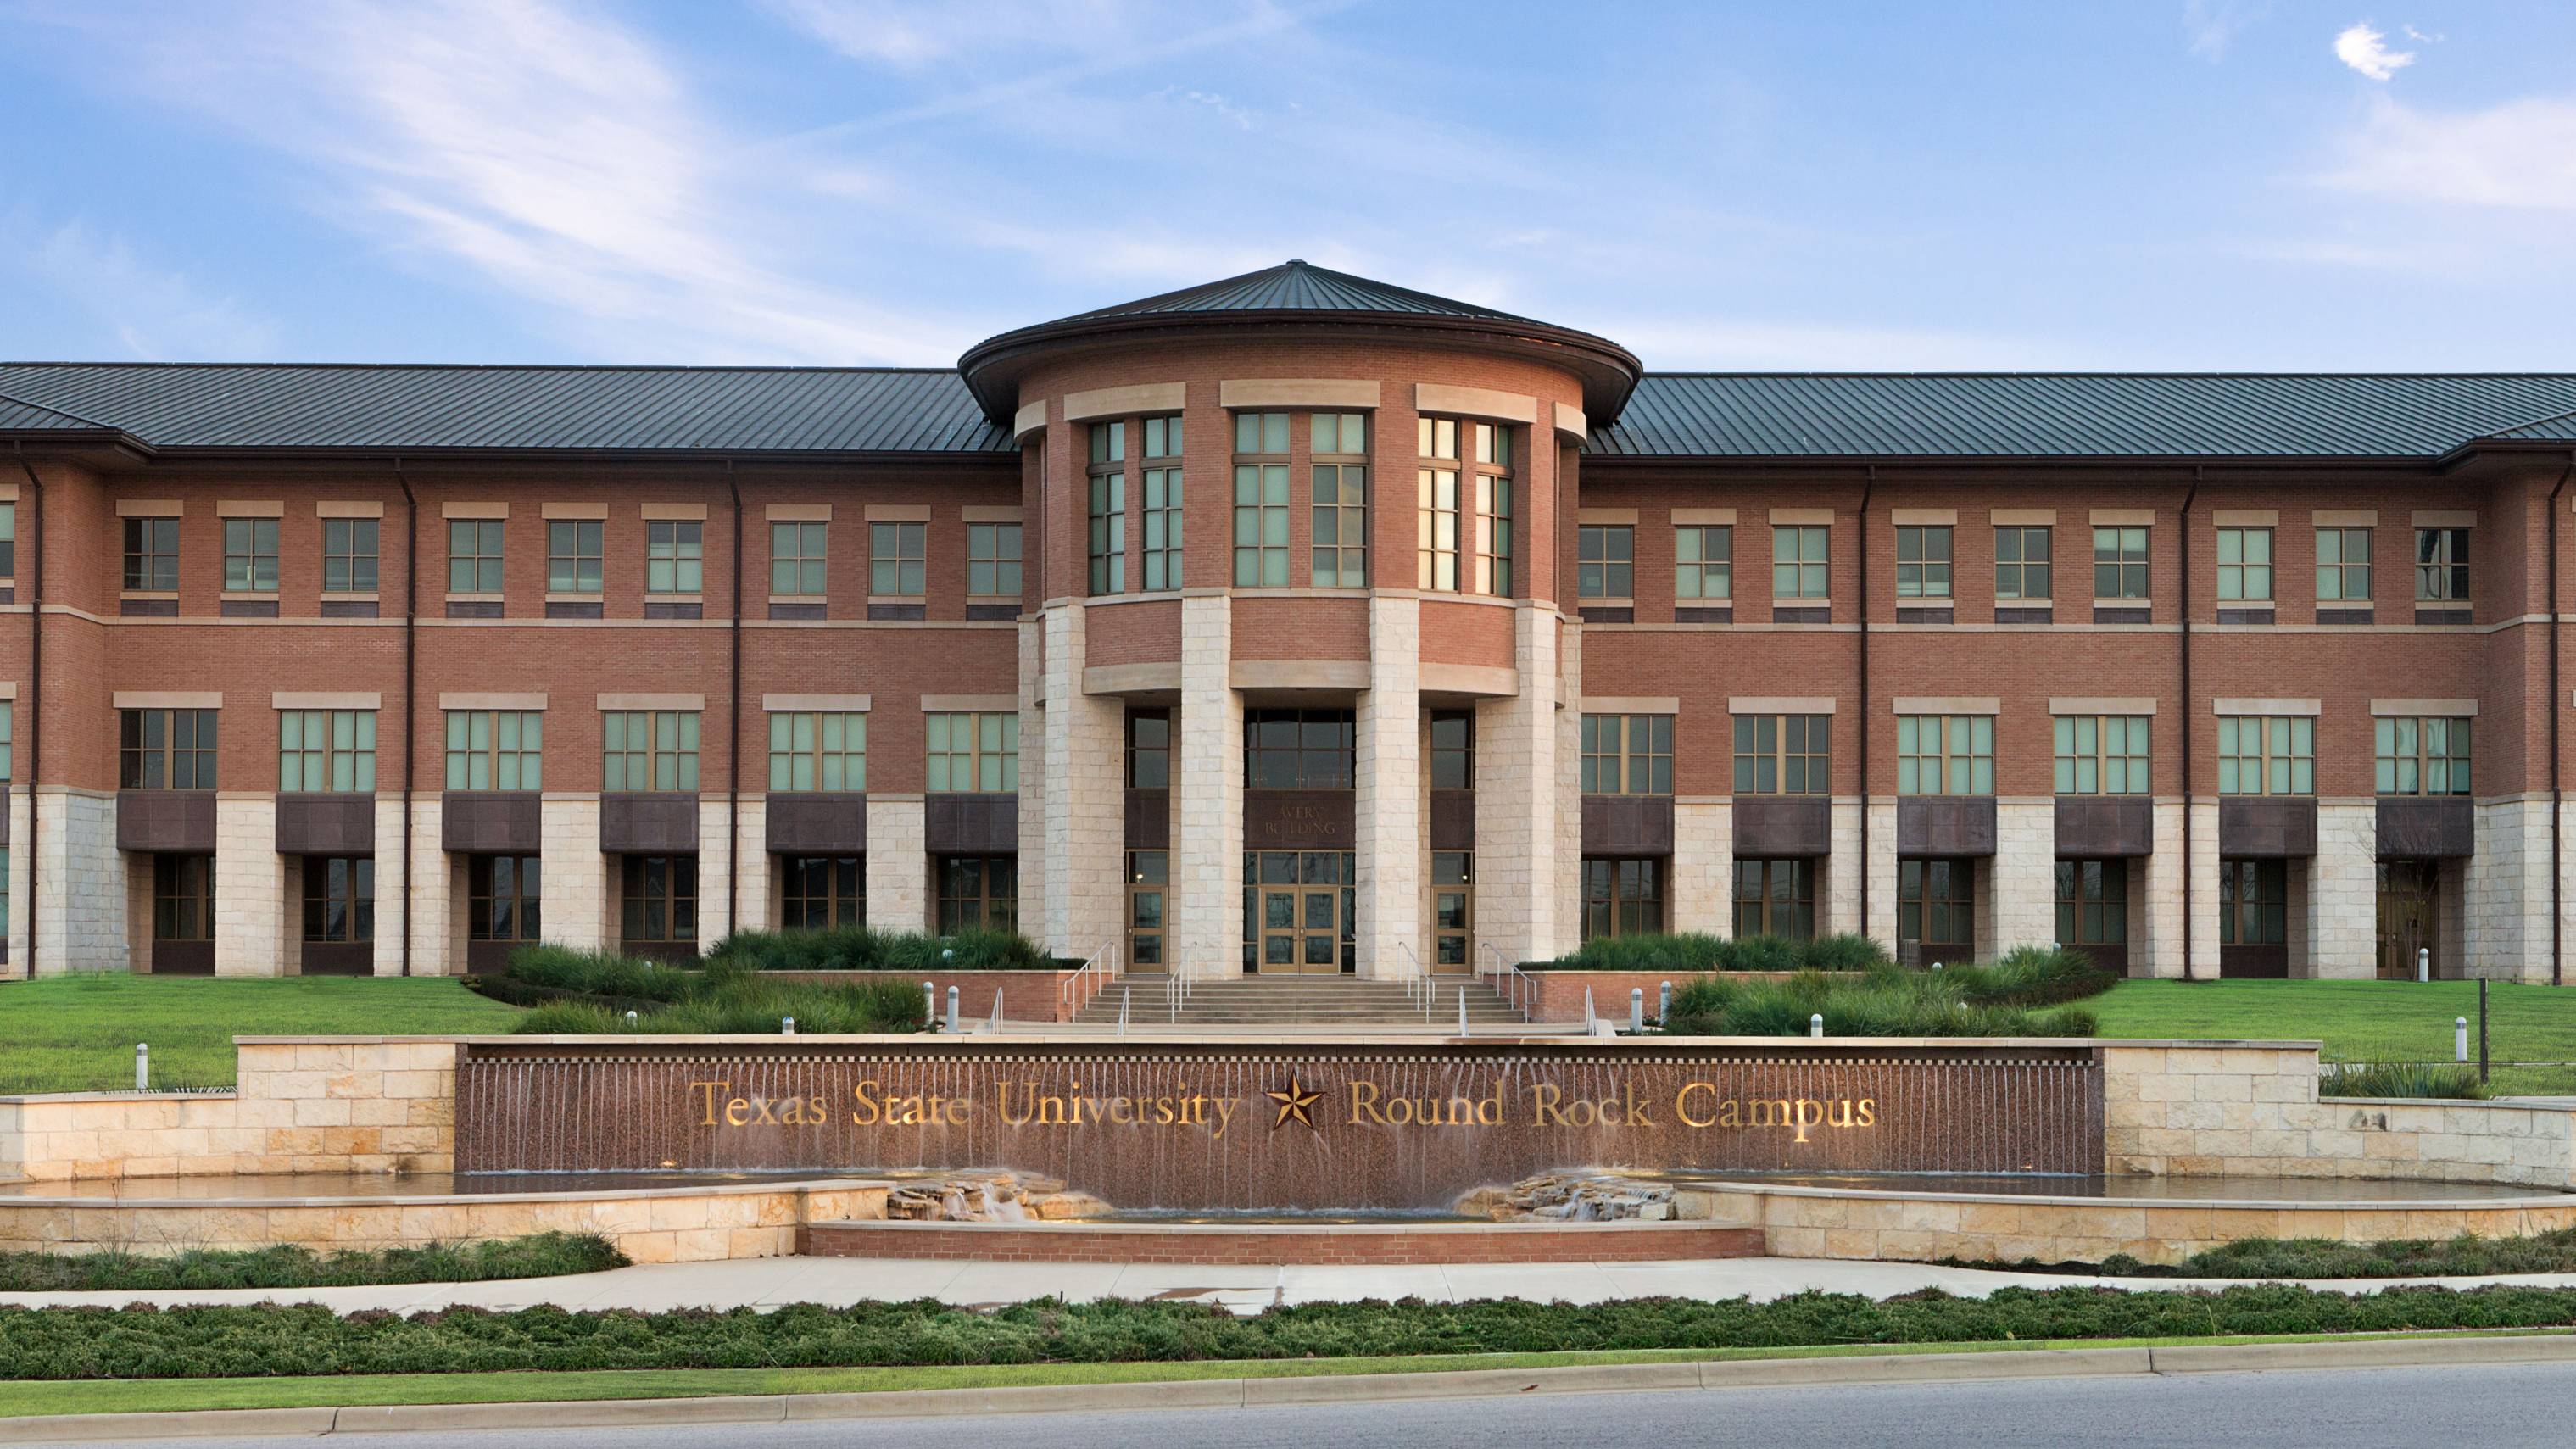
point(2409, 916)
point(1453, 913)
point(1300, 910)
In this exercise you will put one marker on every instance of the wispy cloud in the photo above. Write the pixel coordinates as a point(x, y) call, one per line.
point(156, 313)
point(2366, 50)
point(2211, 26)
point(2517, 156)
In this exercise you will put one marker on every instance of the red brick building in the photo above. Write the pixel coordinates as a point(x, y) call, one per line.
point(1291, 622)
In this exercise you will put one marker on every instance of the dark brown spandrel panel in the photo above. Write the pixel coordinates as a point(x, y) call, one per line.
point(183, 958)
point(657, 823)
point(1453, 820)
point(2117, 614)
point(1781, 827)
point(2025, 614)
point(1149, 819)
point(971, 824)
point(1628, 825)
point(2440, 827)
point(796, 611)
point(474, 608)
point(1703, 614)
point(2106, 827)
point(572, 609)
point(820, 823)
point(2258, 827)
point(1945, 825)
point(1609, 613)
point(491, 822)
point(345, 608)
point(342, 823)
point(338, 958)
point(674, 611)
point(990, 612)
point(1801, 614)
point(1300, 820)
point(148, 608)
point(248, 608)
point(181, 822)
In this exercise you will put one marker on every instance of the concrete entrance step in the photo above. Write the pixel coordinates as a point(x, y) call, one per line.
point(1258, 1001)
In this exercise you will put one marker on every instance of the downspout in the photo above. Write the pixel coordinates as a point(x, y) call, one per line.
point(1868, 485)
point(733, 729)
point(2185, 556)
point(2557, 799)
point(35, 684)
point(411, 676)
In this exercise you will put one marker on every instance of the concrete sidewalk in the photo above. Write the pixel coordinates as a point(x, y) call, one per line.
point(774, 1282)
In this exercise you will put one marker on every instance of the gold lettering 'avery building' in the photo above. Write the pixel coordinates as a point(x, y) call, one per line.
point(1291, 623)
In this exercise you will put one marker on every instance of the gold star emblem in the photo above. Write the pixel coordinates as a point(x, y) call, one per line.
point(1294, 1102)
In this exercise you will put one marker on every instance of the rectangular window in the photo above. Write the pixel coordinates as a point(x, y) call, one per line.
point(1436, 487)
point(495, 749)
point(2343, 565)
point(250, 555)
point(1163, 437)
point(1952, 754)
point(2267, 755)
point(796, 558)
point(1340, 465)
point(1627, 754)
point(1162, 504)
point(648, 749)
point(1149, 749)
point(898, 555)
point(824, 750)
point(1108, 518)
point(674, 556)
point(974, 753)
point(573, 555)
point(474, 555)
point(993, 560)
point(1704, 562)
point(349, 555)
point(1782, 754)
point(339, 899)
point(2102, 754)
point(1299, 749)
point(659, 896)
point(152, 554)
point(183, 897)
point(1605, 561)
point(978, 893)
point(2244, 565)
point(1776, 898)
point(1261, 500)
point(1936, 909)
point(2253, 903)
point(2021, 562)
point(165, 749)
point(1798, 557)
point(1453, 750)
point(822, 892)
point(504, 900)
point(8, 739)
point(1108, 444)
point(2442, 565)
point(326, 750)
point(1923, 562)
point(1622, 897)
point(2422, 756)
point(2093, 902)
point(2120, 563)
point(1493, 468)
point(8, 539)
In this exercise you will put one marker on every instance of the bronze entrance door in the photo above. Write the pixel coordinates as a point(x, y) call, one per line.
point(1453, 914)
point(1300, 907)
point(2409, 916)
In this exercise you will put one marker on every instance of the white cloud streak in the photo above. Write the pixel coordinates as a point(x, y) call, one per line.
point(2517, 156)
point(2366, 50)
point(155, 313)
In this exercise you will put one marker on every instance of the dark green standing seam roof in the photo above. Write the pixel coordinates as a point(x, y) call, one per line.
point(1296, 286)
point(17, 415)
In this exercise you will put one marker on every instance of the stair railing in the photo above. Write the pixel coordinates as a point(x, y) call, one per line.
point(1518, 988)
point(1076, 991)
point(993, 1025)
point(1418, 986)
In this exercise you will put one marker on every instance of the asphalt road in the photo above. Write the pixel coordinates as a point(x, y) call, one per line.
point(2490, 1408)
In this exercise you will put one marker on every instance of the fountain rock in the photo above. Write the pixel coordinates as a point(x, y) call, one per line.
point(1578, 1196)
point(989, 1197)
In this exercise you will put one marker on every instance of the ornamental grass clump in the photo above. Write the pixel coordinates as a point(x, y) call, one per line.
point(2399, 1079)
point(1691, 951)
point(860, 948)
point(2022, 995)
point(728, 997)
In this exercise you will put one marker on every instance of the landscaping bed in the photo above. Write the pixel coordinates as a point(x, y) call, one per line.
point(2025, 994)
point(543, 1255)
point(592, 993)
point(2466, 1256)
point(1690, 951)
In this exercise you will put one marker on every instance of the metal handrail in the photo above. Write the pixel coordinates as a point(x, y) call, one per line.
point(1519, 988)
point(1076, 991)
point(993, 1024)
point(1419, 986)
point(1176, 996)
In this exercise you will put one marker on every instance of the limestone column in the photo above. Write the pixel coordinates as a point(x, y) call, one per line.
point(427, 893)
point(21, 899)
point(2203, 924)
point(1206, 903)
point(2156, 921)
point(1387, 802)
point(715, 870)
point(1033, 777)
point(1527, 795)
point(2024, 875)
point(2506, 892)
point(1084, 810)
point(898, 865)
point(2343, 892)
point(573, 874)
point(1702, 890)
point(251, 883)
point(78, 900)
point(1881, 865)
point(755, 876)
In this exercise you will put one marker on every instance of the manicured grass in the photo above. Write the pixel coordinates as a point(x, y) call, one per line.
point(543, 1255)
point(77, 1033)
point(2357, 1020)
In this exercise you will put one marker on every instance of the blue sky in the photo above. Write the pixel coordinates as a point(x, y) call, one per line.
point(2080, 184)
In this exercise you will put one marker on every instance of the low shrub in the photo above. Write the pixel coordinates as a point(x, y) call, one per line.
point(599, 973)
point(2399, 1079)
point(545, 1255)
point(2467, 1255)
point(859, 948)
point(727, 997)
point(2021, 996)
point(1692, 951)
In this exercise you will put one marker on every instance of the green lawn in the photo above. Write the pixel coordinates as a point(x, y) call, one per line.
point(77, 1033)
point(2360, 1020)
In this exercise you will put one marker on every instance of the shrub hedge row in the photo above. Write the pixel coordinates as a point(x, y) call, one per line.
point(1692, 951)
point(543, 1255)
point(859, 948)
point(589, 993)
point(2023, 994)
point(2467, 1255)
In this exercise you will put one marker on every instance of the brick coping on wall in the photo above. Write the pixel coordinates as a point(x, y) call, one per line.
point(1008, 1041)
point(1254, 1244)
point(40, 1196)
point(2396, 1202)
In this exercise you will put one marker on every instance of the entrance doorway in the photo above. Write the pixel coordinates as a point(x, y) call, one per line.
point(1453, 913)
point(1300, 911)
point(1936, 911)
point(2410, 916)
point(1149, 874)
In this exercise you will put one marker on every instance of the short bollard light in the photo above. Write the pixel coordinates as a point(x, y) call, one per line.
point(631, 1017)
point(1637, 1009)
point(1664, 1008)
point(1936, 965)
point(952, 1010)
point(930, 1006)
point(786, 1026)
point(1816, 1024)
point(2423, 963)
point(142, 1066)
point(2459, 1038)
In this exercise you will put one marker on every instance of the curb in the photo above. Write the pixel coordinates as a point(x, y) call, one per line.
point(1261, 1393)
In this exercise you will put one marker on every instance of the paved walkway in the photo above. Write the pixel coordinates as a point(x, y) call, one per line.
point(774, 1282)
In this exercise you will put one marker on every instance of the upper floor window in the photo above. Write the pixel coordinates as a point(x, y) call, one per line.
point(974, 752)
point(1704, 562)
point(573, 549)
point(165, 749)
point(326, 750)
point(1261, 501)
point(1453, 750)
point(993, 560)
point(2343, 565)
point(2102, 754)
point(1161, 503)
point(824, 750)
point(8, 739)
point(2267, 755)
point(8, 539)
point(674, 556)
point(250, 555)
point(1945, 754)
point(1493, 469)
point(349, 555)
point(2120, 563)
point(1436, 483)
point(898, 559)
point(1340, 464)
point(1605, 561)
point(1782, 754)
point(2442, 564)
point(152, 554)
point(796, 558)
point(2422, 756)
point(495, 749)
point(2021, 561)
point(2244, 565)
point(1798, 556)
point(1627, 754)
point(648, 749)
point(1299, 749)
point(1149, 749)
point(1107, 508)
point(1923, 562)
point(474, 555)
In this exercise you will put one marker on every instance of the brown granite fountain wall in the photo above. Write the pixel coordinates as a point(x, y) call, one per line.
point(1186, 1125)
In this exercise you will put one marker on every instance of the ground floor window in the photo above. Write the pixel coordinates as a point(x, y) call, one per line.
point(2410, 917)
point(339, 898)
point(502, 898)
point(1300, 911)
point(2093, 902)
point(1622, 897)
point(978, 893)
point(1936, 909)
point(1149, 876)
point(1453, 910)
point(2253, 903)
point(822, 891)
point(183, 898)
point(1776, 898)
point(659, 896)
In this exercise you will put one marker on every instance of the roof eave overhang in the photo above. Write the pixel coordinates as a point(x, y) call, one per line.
point(2020, 461)
point(111, 446)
